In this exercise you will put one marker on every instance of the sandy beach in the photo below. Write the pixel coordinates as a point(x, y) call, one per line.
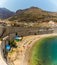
point(25, 48)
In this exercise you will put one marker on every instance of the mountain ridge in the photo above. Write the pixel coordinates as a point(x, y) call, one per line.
point(5, 13)
point(33, 14)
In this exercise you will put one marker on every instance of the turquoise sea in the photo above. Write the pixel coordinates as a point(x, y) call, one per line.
point(44, 52)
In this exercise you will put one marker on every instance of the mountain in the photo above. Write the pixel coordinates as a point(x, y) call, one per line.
point(33, 14)
point(5, 13)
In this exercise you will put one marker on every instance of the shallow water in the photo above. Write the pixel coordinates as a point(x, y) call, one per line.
point(45, 52)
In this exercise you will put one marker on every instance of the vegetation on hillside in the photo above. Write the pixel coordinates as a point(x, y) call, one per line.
point(33, 14)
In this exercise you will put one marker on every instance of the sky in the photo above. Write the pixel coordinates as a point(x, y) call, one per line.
point(13, 5)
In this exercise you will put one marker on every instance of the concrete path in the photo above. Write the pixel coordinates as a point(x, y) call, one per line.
point(2, 62)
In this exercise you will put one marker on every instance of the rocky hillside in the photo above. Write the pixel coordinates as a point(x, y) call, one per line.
point(5, 13)
point(33, 14)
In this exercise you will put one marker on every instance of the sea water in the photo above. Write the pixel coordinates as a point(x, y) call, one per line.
point(45, 52)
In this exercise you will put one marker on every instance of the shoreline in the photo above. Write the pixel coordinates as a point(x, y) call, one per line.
point(28, 42)
point(28, 52)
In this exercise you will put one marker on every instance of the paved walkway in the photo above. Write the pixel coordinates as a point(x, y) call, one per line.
point(2, 62)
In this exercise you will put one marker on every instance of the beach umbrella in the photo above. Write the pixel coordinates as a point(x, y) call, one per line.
point(8, 47)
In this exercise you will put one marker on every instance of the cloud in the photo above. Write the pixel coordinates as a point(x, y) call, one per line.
point(2, 2)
